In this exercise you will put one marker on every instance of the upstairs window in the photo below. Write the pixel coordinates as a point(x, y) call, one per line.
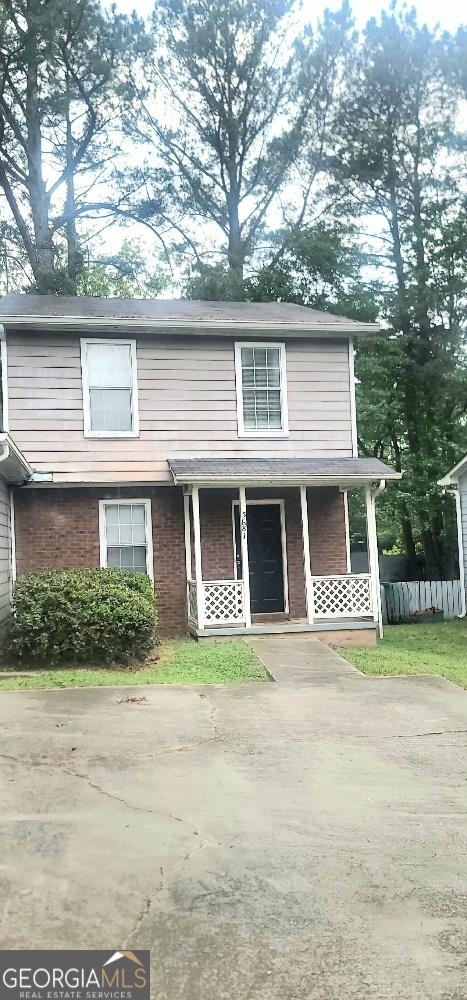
point(125, 535)
point(261, 389)
point(109, 388)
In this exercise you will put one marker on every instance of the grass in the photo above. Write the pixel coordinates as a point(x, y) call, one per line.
point(182, 662)
point(417, 649)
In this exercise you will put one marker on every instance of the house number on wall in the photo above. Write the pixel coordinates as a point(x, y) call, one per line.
point(243, 525)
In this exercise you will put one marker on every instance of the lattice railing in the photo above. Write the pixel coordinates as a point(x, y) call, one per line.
point(223, 602)
point(192, 603)
point(342, 596)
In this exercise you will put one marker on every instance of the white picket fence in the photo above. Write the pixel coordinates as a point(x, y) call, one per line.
point(401, 600)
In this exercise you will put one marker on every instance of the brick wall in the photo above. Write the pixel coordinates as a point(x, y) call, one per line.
point(327, 531)
point(217, 551)
point(59, 529)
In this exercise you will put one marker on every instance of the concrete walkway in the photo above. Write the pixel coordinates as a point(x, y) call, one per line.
point(302, 659)
point(305, 840)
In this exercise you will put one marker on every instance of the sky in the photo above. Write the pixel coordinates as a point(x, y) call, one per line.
point(450, 14)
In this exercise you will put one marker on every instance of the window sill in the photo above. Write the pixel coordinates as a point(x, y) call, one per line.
point(111, 435)
point(270, 435)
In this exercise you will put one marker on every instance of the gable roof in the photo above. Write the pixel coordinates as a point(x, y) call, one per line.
point(452, 477)
point(63, 310)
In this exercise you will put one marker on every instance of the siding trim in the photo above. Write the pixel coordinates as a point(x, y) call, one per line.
point(148, 528)
point(4, 365)
point(460, 543)
point(353, 404)
point(12, 543)
point(88, 433)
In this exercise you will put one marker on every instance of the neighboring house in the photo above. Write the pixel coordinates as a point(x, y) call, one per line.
point(210, 444)
point(456, 480)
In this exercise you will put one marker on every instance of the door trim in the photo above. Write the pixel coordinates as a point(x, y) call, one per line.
point(235, 503)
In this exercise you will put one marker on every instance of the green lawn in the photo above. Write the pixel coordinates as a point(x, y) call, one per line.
point(417, 649)
point(182, 662)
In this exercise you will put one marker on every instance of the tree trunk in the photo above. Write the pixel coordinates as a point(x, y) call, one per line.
point(73, 256)
point(409, 546)
point(236, 252)
point(39, 200)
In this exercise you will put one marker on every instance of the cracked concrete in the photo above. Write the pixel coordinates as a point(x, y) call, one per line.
point(304, 840)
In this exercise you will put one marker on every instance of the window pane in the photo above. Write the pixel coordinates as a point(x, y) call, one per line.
point(127, 557)
point(262, 421)
point(261, 377)
point(247, 356)
point(138, 513)
point(111, 513)
point(109, 365)
point(111, 410)
point(125, 524)
point(272, 359)
point(274, 409)
point(249, 409)
point(261, 384)
point(274, 377)
point(125, 535)
point(260, 356)
point(113, 534)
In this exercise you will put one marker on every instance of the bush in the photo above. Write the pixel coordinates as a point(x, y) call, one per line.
point(82, 616)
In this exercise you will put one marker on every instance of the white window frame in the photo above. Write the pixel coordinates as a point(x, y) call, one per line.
point(273, 432)
point(88, 432)
point(148, 530)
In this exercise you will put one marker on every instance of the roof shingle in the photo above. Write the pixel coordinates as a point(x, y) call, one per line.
point(23, 308)
point(186, 469)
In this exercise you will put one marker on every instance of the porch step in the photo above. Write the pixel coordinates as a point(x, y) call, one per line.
point(344, 626)
point(270, 619)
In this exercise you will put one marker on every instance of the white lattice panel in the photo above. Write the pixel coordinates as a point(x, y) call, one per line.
point(223, 602)
point(192, 605)
point(342, 596)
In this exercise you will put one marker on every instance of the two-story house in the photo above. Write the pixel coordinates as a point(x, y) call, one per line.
point(209, 444)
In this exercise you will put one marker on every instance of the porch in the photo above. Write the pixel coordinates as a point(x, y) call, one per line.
point(275, 557)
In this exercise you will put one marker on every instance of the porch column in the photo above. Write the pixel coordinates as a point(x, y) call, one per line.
point(245, 562)
point(306, 555)
point(373, 558)
point(460, 545)
point(186, 515)
point(198, 568)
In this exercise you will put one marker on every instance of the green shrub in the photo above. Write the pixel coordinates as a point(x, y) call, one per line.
point(82, 616)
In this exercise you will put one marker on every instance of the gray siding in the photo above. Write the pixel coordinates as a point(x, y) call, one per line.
point(4, 555)
point(463, 499)
point(187, 406)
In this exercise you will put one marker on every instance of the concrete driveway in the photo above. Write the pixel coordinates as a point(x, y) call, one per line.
point(305, 839)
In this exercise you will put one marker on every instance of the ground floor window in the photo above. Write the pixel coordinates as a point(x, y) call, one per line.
point(125, 535)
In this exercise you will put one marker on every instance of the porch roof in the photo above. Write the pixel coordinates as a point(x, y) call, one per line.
point(279, 471)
